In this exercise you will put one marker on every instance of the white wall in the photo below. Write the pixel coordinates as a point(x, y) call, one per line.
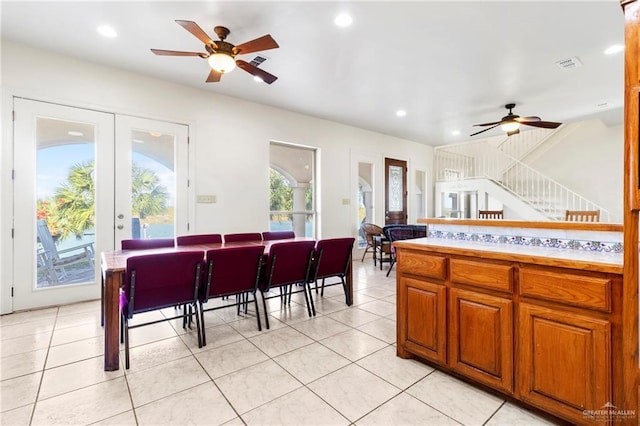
point(229, 142)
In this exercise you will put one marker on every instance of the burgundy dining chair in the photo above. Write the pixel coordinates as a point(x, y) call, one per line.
point(288, 263)
point(135, 244)
point(230, 271)
point(246, 236)
point(158, 281)
point(332, 259)
point(187, 240)
point(140, 244)
point(277, 235)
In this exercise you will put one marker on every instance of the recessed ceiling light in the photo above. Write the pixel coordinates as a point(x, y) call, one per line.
point(343, 20)
point(155, 134)
point(137, 140)
point(455, 132)
point(75, 133)
point(401, 113)
point(614, 49)
point(107, 31)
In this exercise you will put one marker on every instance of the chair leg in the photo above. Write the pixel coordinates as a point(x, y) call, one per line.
point(199, 328)
point(203, 341)
point(364, 254)
point(121, 328)
point(322, 290)
point(255, 301)
point(266, 312)
point(126, 342)
point(393, 262)
point(346, 293)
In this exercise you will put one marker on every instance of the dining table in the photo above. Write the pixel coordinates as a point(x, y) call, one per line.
point(114, 265)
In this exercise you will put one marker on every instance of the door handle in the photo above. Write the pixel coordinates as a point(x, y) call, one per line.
point(120, 216)
point(120, 226)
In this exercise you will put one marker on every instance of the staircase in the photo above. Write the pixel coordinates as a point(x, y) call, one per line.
point(500, 161)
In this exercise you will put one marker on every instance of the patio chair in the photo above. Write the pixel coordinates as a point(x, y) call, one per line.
point(54, 261)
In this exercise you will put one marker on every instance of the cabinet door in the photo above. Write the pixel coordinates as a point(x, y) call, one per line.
point(564, 361)
point(481, 337)
point(424, 330)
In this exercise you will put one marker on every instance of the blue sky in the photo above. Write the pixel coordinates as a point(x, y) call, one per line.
point(54, 163)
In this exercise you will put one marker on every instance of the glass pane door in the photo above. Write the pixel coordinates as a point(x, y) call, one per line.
point(151, 179)
point(58, 228)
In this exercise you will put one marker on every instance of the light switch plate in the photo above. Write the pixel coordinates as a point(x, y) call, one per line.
point(206, 199)
point(346, 201)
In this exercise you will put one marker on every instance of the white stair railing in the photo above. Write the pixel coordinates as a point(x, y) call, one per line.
point(485, 161)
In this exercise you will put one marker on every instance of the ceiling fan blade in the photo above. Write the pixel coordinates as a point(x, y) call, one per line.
point(488, 124)
point(255, 71)
point(177, 53)
point(195, 29)
point(526, 120)
point(214, 76)
point(265, 42)
point(484, 130)
point(544, 124)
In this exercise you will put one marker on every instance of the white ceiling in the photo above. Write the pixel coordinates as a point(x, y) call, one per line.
point(449, 64)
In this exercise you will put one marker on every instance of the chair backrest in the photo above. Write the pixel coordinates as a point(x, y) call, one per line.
point(277, 235)
point(147, 244)
point(231, 270)
point(419, 231)
point(44, 235)
point(371, 230)
point(332, 257)
point(582, 215)
point(156, 281)
point(186, 240)
point(398, 232)
point(490, 214)
point(289, 263)
point(247, 236)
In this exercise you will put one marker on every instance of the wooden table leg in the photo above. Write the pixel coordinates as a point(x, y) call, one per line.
point(350, 283)
point(113, 282)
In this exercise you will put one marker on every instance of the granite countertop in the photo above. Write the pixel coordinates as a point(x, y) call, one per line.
point(567, 258)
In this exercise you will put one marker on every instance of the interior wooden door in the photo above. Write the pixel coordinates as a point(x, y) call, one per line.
point(395, 191)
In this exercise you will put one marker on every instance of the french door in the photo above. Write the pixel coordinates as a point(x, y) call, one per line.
point(83, 181)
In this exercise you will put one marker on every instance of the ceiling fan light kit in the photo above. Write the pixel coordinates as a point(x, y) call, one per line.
point(511, 122)
point(221, 55)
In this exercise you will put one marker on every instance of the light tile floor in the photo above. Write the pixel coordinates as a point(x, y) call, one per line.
point(338, 368)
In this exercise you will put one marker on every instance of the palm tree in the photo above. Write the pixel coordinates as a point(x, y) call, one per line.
point(74, 204)
point(148, 196)
point(75, 201)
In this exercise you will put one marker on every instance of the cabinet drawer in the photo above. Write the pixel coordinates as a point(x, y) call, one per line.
point(575, 290)
point(482, 274)
point(418, 263)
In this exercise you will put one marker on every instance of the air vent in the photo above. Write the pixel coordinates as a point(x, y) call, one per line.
point(258, 60)
point(571, 63)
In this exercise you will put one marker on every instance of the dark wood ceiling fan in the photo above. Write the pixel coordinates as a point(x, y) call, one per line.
point(511, 123)
point(221, 54)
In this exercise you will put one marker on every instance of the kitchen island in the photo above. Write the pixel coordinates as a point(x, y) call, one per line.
point(536, 318)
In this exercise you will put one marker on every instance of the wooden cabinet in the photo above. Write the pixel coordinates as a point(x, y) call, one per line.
point(425, 317)
point(564, 361)
point(481, 337)
point(546, 335)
